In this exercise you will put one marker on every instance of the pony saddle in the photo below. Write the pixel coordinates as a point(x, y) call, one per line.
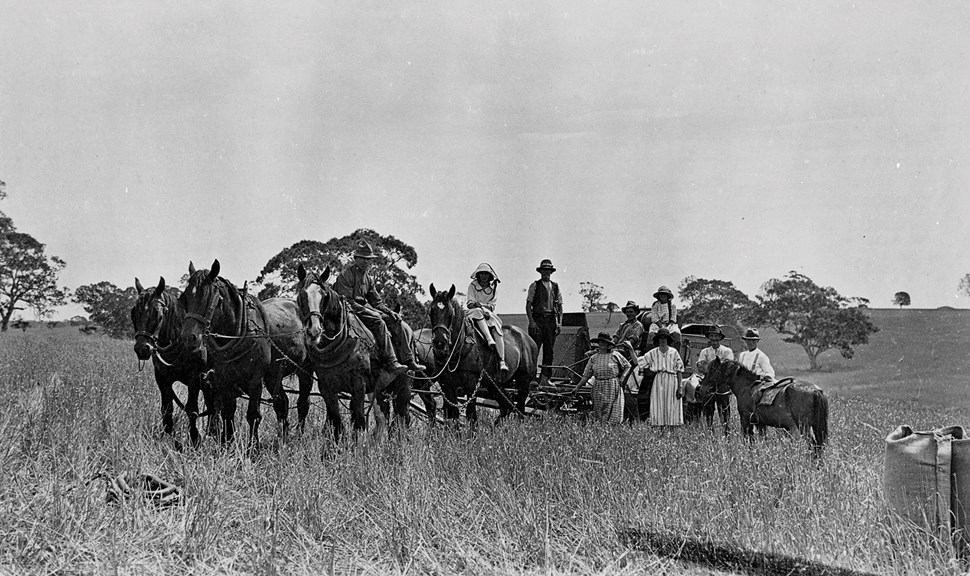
point(766, 392)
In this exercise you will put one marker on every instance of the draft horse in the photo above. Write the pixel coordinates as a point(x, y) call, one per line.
point(800, 407)
point(157, 318)
point(340, 349)
point(468, 367)
point(252, 344)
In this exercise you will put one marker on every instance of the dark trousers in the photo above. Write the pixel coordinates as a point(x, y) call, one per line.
point(374, 321)
point(545, 337)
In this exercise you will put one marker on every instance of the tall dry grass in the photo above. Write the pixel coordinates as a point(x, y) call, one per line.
point(536, 496)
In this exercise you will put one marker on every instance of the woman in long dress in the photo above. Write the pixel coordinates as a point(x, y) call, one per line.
point(481, 298)
point(666, 407)
point(605, 367)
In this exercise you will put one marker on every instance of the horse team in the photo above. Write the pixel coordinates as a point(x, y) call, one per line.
point(222, 342)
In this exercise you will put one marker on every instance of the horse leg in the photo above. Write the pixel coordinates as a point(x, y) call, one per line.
point(228, 414)
point(167, 405)
point(402, 403)
point(192, 409)
point(378, 402)
point(212, 406)
point(357, 397)
point(303, 400)
point(281, 403)
point(724, 409)
point(252, 413)
point(333, 414)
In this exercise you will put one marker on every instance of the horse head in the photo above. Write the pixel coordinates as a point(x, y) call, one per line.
point(203, 303)
point(148, 318)
point(445, 318)
point(318, 304)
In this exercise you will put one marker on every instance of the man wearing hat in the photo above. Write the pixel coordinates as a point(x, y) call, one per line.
point(543, 308)
point(359, 289)
point(754, 359)
point(663, 314)
point(714, 350)
point(630, 331)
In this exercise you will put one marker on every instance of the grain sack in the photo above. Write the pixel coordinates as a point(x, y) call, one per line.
point(926, 481)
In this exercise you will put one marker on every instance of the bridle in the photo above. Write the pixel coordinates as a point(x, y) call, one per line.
point(206, 320)
point(344, 320)
point(441, 328)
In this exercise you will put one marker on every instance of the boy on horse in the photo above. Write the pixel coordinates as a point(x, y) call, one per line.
point(754, 359)
point(359, 289)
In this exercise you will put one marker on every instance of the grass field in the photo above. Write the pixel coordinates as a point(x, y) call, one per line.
point(538, 496)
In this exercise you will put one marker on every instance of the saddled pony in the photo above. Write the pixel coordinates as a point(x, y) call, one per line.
point(251, 344)
point(468, 367)
point(800, 407)
point(157, 317)
point(420, 343)
point(341, 349)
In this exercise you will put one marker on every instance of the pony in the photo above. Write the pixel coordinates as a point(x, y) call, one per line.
point(157, 318)
point(800, 407)
point(466, 363)
point(696, 408)
point(340, 350)
point(251, 343)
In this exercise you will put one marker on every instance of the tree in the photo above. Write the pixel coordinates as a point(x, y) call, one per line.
point(108, 306)
point(901, 299)
point(714, 302)
point(815, 318)
point(28, 277)
point(965, 284)
point(396, 285)
point(592, 297)
point(6, 224)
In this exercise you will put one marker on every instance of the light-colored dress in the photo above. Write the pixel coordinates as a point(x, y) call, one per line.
point(606, 369)
point(486, 298)
point(665, 408)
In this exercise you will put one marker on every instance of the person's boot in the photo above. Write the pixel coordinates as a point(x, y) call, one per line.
point(499, 343)
point(413, 364)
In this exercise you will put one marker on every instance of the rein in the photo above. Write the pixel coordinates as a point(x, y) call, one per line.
point(451, 354)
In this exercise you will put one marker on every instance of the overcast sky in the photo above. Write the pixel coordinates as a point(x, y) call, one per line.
point(632, 143)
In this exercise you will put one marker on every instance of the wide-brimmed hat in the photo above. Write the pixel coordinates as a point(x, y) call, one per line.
point(663, 290)
point(662, 332)
point(546, 265)
point(630, 304)
point(715, 330)
point(364, 250)
point(751, 334)
point(485, 267)
point(602, 337)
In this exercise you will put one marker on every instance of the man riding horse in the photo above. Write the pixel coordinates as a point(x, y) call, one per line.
point(359, 289)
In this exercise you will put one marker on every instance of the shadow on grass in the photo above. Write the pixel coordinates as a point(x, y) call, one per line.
point(724, 557)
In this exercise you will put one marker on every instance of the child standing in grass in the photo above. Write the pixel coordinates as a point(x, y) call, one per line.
point(606, 367)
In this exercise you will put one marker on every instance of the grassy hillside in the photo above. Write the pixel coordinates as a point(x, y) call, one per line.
point(525, 497)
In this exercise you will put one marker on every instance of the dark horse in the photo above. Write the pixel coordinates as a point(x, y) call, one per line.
point(800, 407)
point(340, 349)
point(157, 317)
point(467, 367)
point(698, 408)
point(251, 344)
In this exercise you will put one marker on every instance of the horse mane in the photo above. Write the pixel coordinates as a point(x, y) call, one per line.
point(200, 279)
point(173, 317)
point(733, 368)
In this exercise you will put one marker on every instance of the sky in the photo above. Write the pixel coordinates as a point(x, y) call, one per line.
point(632, 143)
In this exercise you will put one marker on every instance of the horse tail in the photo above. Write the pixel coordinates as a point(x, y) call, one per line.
point(820, 418)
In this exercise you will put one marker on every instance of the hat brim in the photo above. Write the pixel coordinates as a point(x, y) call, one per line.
point(658, 294)
point(751, 337)
point(717, 334)
point(549, 268)
point(634, 308)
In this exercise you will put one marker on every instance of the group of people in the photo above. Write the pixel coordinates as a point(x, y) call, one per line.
point(656, 355)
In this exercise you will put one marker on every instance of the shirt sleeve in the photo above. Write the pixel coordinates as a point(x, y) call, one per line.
point(373, 298)
point(673, 313)
point(655, 313)
point(589, 368)
point(623, 362)
point(766, 368)
point(729, 355)
point(343, 285)
point(532, 293)
point(679, 363)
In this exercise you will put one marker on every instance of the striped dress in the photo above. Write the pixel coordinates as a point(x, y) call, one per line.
point(665, 408)
point(606, 368)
